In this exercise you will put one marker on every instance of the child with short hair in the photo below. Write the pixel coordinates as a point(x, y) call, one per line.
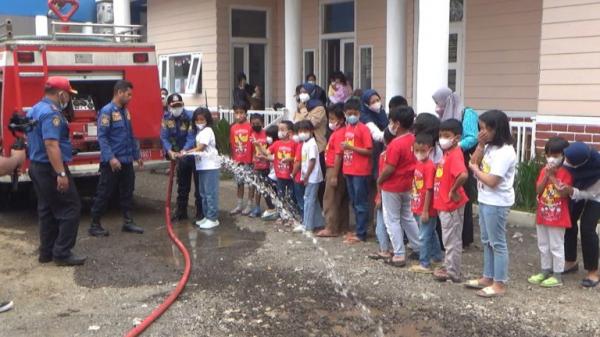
point(272, 137)
point(297, 172)
point(260, 162)
point(422, 205)
point(552, 215)
point(312, 177)
point(335, 199)
point(241, 153)
point(357, 165)
point(395, 181)
point(449, 199)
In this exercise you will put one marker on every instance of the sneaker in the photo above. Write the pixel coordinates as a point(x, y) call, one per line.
point(255, 213)
point(298, 229)
point(269, 215)
point(209, 224)
point(551, 282)
point(236, 210)
point(537, 279)
point(419, 269)
point(247, 210)
point(200, 222)
point(6, 306)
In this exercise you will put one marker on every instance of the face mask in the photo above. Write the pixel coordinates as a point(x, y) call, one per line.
point(446, 143)
point(269, 140)
point(304, 136)
point(333, 126)
point(304, 97)
point(176, 112)
point(282, 134)
point(392, 130)
point(353, 120)
point(296, 138)
point(164, 100)
point(62, 104)
point(200, 126)
point(555, 161)
point(375, 107)
point(567, 164)
point(312, 82)
point(421, 156)
point(256, 128)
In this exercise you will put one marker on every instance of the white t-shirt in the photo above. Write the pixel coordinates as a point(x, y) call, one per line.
point(501, 162)
point(310, 150)
point(209, 158)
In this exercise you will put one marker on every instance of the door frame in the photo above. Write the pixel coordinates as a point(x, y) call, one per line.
point(459, 29)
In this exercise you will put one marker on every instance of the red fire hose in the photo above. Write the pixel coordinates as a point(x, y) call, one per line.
point(186, 272)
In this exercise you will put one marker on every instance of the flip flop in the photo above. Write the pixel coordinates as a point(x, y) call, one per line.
point(474, 284)
point(350, 240)
point(587, 283)
point(325, 233)
point(378, 256)
point(571, 270)
point(397, 264)
point(488, 292)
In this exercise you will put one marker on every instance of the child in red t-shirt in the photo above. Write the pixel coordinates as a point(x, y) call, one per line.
point(552, 215)
point(357, 166)
point(242, 154)
point(422, 205)
point(395, 182)
point(260, 162)
point(449, 199)
point(297, 174)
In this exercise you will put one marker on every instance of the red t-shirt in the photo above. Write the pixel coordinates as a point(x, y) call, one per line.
point(552, 209)
point(283, 149)
point(239, 139)
point(423, 181)
point(356, 164)
point(261, 139)
point(298, 161)
point(334, 147)
point(448, 169)
point(399, 154)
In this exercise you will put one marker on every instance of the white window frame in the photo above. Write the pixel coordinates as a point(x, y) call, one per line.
point(360, 62)
point(458, 29)
point(191, 88)
point(315, 63)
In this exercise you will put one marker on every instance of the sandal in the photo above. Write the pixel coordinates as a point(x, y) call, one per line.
point(379, 256)
point(352, 239)
point(489, 292)
point(397, 264)
point(474, 284)
point(571, 270)
point(326, 233)
point(587, 283)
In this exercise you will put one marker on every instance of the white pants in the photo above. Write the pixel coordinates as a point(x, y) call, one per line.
point(398, 216)
point(551, 243)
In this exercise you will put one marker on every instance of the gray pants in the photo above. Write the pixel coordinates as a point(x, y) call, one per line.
point(551, 243)
point(398, 217)
point(452, 224)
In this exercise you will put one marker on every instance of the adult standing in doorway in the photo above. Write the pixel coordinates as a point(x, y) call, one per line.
point(339, 90)
point(449, 106)
point(312, 79)
point(242, 92)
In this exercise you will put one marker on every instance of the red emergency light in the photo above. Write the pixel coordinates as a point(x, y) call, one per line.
point(140, 58)
point(25, 57)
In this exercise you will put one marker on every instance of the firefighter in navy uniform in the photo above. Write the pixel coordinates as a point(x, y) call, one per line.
point(173, 135)
point(50, 150)
point(118, 150)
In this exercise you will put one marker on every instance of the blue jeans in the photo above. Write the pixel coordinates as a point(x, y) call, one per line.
point(313, 214)
point(430, 242)
point(299, 197)
point(381, 232)
point(208, 184)
point(358, 190)
point(492, 220)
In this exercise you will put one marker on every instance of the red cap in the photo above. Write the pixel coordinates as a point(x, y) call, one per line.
point(60, 82)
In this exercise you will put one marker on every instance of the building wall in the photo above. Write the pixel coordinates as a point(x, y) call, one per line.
point(502, 53)
point(193, 31)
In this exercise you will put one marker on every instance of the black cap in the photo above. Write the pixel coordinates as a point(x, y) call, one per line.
point(174, 99)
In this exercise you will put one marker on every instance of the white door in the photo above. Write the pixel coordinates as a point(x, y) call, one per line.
point(347, 59)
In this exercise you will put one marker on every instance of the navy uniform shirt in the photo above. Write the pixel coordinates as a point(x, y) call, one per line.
point(51, 125)
point(115, 135)
point(174, 130)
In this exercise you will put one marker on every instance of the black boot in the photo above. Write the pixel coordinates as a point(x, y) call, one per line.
point(130, 226)
point(96, 229)
point(71, 260)
point(180, 214)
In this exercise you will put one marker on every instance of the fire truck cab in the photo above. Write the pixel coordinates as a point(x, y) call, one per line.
point(92, 64)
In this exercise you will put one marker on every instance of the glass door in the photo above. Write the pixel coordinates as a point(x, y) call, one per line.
point(241, 62)
point(347, 59)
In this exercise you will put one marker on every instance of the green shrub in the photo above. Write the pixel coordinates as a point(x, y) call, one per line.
point(525, 179)
point(221, 130)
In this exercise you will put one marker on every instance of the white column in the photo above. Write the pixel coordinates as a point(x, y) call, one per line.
point(121, 13)
point(41, 25)
point(293, 52)
point(432, 51)
point(395, 51)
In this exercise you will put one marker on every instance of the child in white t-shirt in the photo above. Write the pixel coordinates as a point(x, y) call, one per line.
point(311, 177)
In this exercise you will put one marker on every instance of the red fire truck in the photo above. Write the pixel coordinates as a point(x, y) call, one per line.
point(93, 63)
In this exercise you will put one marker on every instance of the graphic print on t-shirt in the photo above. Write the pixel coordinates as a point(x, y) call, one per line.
point(348, 154)
point(439, 173)
point(241, 142)
point(551, 203)
point(283, 166)
point(418, 184)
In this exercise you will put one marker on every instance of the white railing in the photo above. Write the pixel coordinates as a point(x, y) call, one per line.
point(116, 33)
point(524, 137)
point(271, 116)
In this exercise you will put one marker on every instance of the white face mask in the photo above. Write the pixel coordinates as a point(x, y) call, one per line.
point(62, 104)
point(375, 107)
point(296, 138)
point(392, 129)
point(312, 82)
point(554, 161)
point(176, 112)
point(333, 126)
point(282, 134)
point(200, 126)
point(421, 156)
point(304, 136)
point(304, 97)
point(269, 140)
point(446, 143)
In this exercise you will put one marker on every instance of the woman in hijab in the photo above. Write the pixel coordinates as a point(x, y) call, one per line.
point(310, 107)
point(373, 115)
point(583, 162)
point(448, 106)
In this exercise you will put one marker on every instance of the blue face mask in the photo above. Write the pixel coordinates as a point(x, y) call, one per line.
point(352, 119)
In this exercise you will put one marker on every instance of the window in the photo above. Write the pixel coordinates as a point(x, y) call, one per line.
point(338, 17)
point(453, 48)
point(309, 63)
point(456, 10)
point(248, 23)
point(181, 73)
point(366, 67)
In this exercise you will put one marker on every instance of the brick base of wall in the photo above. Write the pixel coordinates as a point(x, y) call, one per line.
point(589, 134)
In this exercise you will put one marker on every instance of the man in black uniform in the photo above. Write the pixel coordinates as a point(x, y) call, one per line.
point(50, 150)
point(118, 150)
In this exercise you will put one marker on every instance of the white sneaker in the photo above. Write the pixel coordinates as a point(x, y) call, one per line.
point(209, 224)
point(237, 209)
point(270, 214)
point(247, 210)
point(6, 306)
point(200, 222)
point(298, 229)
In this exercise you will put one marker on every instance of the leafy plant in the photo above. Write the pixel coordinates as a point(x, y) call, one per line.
point(221, 130)
point(525, 179)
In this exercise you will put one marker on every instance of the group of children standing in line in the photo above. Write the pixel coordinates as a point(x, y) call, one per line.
point(415, 188)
